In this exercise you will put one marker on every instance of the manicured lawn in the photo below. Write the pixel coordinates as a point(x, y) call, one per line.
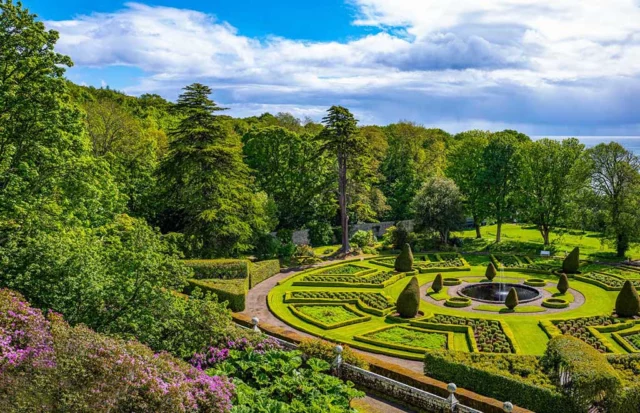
point(414, 338)
point(328, 314)
point(344, 269)
point(568, 297)
point(503, 309)
point(438, 296)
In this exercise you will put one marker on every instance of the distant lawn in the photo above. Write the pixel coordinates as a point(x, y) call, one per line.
point(526, 239)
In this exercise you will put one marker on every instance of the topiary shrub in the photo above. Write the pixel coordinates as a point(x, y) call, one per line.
point(627, 304)
point(363, 239)
point(409, 299)
point(491, 272)
point(563, 283)
point(571, 262)
point(404, 262)
point(512, 299)
point(437, 283)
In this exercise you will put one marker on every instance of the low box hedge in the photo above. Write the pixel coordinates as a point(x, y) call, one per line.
point(535, 282)
point(262, 270)
point(224, 269)
point(340, 284)
point(361, 305)
point(456, 328)
point(234, 292)
point(318, 323)
point(555, 303)
point(516, 378)
point(397, 346)
point(457, 302)
point(449, 282)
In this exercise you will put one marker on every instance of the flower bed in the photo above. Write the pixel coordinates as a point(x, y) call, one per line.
point(580, 328)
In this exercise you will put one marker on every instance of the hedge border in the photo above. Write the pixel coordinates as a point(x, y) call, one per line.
point(450, 282)
point(559, 302)
point(288, 299)
point(621, 339)
point(386, 283)
point(396, 346)
point(262, 270)
point(236, 301)
point(457, 302)
point(535, 282)
point(318, 323)
point(456, 328)
point(207, 269)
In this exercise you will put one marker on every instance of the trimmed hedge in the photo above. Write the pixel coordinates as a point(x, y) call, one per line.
point(457, 302)
point(437, 283)
point(262, 270)
point(571, 263)
point(397, 346)
point(452, 281)
point(555, 303)
point(348, 284)
point(359, 299)
point(504, 377)
point(318, 323)
point(409, 299)
point(563, 283)
point(467, 330)
point(234, 292)
point(491, 272)
point(535, 282)
point(223, 269)
point(404, 261)
point(627, 302)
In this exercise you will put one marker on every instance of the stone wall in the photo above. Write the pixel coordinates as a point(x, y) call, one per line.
point(379, 228)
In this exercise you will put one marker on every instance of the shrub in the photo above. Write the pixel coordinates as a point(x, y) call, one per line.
point(324, 350)
point(627, 304)
point(571, 263)
point(262, 270)
point(409, 299)
point(320, 233)
point(581, 372)
point(223, 269)
point(387, 237)
point(437, 283)
point(563, 283)
point(267, 247)
point(286, 251)
point(457, 302)
point(285, 235)
point(363, 239)
point(234, 292)
point(491, 272)
point(512, 299)
point(399, 236)
point(404, 261)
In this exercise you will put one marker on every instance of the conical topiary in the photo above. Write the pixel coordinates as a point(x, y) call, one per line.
point(571, 263)
point(627, 304)
point(563, 283)
point(437, 283)
point(404, 262)
point(491, 272)
point(409, 299)
point(512, 299)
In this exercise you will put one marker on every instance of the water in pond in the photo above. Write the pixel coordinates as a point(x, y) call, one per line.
point(497, 292)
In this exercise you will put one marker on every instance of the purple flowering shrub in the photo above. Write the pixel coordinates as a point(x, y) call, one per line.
point(48, 365)
point(217, 354)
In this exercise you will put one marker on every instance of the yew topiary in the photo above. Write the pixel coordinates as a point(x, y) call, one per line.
point(409, 299)
point(571, 263)
point(627, 303)
point(437, 283)
point(404, 262)
point(491, 272)
point(563, 283)
point(512, 299)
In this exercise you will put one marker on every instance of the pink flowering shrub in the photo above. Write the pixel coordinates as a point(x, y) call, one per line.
point(217, 354)
point(77, 369)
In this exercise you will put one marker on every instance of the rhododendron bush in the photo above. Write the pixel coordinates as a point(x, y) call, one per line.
point(46, 365)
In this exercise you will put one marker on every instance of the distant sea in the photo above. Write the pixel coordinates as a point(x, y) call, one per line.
point(632, 143)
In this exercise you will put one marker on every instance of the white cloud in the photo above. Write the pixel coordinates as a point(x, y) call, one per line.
point(446, 62)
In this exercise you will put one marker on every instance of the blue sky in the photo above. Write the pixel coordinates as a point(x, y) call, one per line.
point(568, 67)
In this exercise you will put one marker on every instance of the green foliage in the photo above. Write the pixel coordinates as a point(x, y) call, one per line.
point(325, 350)
point(207, 184)
point(288, 168)
point(279, 380)
point(491, 272)
point(232, 292)
point(585, 373)
point(224, 269)
point(409, 299)
point(363, 239)
point(404, 261)
point(437, 283)
point(627, 302)
point(320, 233)
point(512, 299)
point(563, 283)
point(571, 262)
point(263, 270)
point(519, 379)
point(438, 208)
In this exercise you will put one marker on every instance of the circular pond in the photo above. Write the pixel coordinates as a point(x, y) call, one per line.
point(497, 292)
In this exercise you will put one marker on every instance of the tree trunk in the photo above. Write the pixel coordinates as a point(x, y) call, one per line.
point(476, 224)
point(622, 245)
point(544, 231)
point(499, 231)
point(342, 200)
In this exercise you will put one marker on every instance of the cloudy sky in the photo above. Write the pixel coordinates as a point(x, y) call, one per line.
point(562, 67)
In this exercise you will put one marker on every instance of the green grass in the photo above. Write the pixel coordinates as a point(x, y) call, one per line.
point(505, 310)
point(327, 250)
point(568, 297)
point(409, 337)
point(438, 296)
point(344, 269)
point(328, 314)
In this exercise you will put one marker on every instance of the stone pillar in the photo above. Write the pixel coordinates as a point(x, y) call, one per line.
point(451, 388)
point(337, 361)
point(507, 407)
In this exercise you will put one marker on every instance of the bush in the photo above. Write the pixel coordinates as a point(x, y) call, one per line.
point(363, 239)
point(320, 233)
point(324, 350)
point(491, 272)
point(571, 263)
point(267, 247)
point(234, 292)
point(222, 269)
point(286, 251)
point(519, 379)
point(437, 283)
point(409, 300)
point(582, 373)
point(512, 299)
point(399, 236)
point(627, 304)
point(285, 235)
point(563, 283)
point(404, 261)
point(262, 270)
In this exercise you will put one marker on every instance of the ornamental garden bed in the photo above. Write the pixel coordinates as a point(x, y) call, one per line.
point(411, 339)
point(555, 302)
point(609, 282)
point(449, 282)
point(378, 279)
point(535, 282)
point(373, 303)
point(347, 269)
point(457, 302)
point(329, 316)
